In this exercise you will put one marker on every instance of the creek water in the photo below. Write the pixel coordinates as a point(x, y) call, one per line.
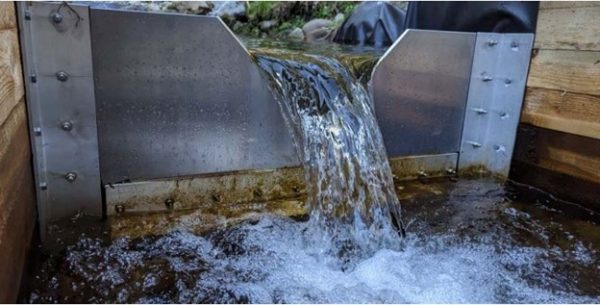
point(475, 241)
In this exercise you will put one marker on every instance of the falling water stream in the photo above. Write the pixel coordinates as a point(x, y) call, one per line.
point(475, 241)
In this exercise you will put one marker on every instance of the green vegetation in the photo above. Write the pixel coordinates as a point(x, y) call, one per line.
point(289, 15)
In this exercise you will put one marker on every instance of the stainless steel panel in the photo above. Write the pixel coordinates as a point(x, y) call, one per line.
point(420, 90)
point(496, 90)
point(59, 154)
point(171, 105)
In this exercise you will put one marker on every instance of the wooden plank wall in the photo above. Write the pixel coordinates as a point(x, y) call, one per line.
point(17, 199)
point(558, 143)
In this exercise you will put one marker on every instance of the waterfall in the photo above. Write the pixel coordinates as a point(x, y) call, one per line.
point(332, 119)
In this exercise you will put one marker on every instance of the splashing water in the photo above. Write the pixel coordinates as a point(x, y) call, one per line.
point(349, 180)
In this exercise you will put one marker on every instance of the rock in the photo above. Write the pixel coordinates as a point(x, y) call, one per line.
point(296, 34)
point(316, 24)
point(191, 7)
point(229, 9)
point(237, 26)
point(266, 25)
point(339, 18)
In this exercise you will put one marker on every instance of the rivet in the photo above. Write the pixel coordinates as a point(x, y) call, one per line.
point(43, 185)
point(492, 42)
point(514, 44)
point(508, 81)
point(486, 78)
point(499, 148)
point(66, 126)
point(62, 76)
point(57, 17)
point(503, 115)
point(37, 131)
point(474, 144)
point(70, 177)
point(119, 208)
point(169, 203)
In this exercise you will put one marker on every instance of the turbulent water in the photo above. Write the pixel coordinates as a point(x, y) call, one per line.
point(349, 181)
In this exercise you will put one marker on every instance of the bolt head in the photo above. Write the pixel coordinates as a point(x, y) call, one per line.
point(66, 126)
point(70, 177)
point(62, 76)
point(169, 203)
point(57, 17)
point(37, 131)
point(119, 208)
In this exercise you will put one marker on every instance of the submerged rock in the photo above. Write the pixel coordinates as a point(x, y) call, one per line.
point(267, 25)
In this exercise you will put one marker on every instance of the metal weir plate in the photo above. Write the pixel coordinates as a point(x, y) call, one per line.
point(172, 104)
point(496, 90)
point(420, 89)
point(57, 61)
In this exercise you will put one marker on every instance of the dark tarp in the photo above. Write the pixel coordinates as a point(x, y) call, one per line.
point(381, 23)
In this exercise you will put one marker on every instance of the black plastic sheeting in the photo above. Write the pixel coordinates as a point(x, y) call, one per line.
point(380, 23)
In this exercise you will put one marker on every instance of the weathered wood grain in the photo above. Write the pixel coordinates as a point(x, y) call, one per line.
point(11, 75)
point(8, 18)
point(566, 71)
point(574, 27)
point(560, 152)
point(563, 111)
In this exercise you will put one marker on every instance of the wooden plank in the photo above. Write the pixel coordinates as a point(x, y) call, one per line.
point(547, 5)
point(566, 71)
point(559, 152)
point(567, 112)
point(14, 147)
point(569, 28)
point(11, 75)
point(8, 15)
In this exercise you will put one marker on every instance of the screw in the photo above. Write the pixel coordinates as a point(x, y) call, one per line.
point(492, 42)
point(37, 131)
point(480, 110)
point(62, 76)
point(71, 177)
point(66, 126)
point(474, 144)
point(43, 185)
point(169, 203)
point(119, 208)
point(57, 17)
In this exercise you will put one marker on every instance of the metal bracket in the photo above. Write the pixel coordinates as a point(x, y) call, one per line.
point(497, 86)
point(57, 56)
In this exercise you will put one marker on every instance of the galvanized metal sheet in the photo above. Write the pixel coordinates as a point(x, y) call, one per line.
point(172, 105)
point(61, 112)
point(420, 90)
point(496, 90)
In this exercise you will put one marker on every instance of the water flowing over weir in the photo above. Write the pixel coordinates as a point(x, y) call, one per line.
point(349, 180)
